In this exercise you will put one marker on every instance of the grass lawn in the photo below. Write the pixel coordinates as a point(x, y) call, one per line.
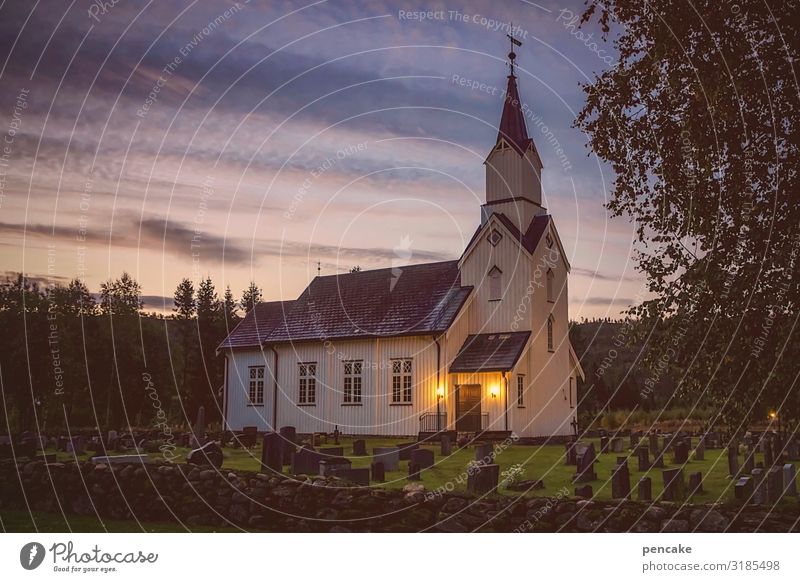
point(539, 462)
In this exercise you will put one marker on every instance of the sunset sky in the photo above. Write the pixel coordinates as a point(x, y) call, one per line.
point(250, 140)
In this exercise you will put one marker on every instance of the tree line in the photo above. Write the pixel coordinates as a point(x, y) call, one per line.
point(69, 357)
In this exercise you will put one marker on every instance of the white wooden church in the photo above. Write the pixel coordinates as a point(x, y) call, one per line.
point(470, 345)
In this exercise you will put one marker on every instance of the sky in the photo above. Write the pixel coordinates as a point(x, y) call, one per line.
point(262, 140)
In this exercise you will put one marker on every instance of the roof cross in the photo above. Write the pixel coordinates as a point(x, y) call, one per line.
point(512, 55)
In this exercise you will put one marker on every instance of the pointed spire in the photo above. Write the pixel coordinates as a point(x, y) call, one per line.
point(512, 123)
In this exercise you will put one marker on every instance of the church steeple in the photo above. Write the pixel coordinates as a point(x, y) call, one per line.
point(513, 167)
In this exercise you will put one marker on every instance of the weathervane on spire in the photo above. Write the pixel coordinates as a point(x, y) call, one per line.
point(512, 55)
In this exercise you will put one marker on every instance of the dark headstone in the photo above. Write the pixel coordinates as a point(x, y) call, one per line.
point(423, 458)
point(644, 489)
point(743, 489)
point(585, 467)
point(584, 491)
point(446, 446)
point(317, 439)
point(621, 481)
point(653, 438)
point(658, 460)
point(414, 471)
point(389, 456)
point(484, 453)
point(61, 444)
point(733, 459)
point(643, 457)
point(774, 485)
point(700, 449)
point(766, 448)
point(681, 452)
point(759, 487)
point(483, 479)
point(749, 461)
point(617, 445)
point(570, 454)
point(406, 449)
point(272, 453)
point(208, 454)
point(336, 434)
point(289, 435)
point(604, 441)
point(360, 448)
point(306, 461)
point(695, 483)
point(331, 466)
point(332, 452)
point(674, 486)
point(636, 436)
point(789, 480)
point(378, 473)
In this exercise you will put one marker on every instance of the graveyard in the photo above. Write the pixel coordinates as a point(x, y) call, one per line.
point(541, 470)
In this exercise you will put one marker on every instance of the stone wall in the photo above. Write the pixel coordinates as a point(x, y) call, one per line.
point(202, 496)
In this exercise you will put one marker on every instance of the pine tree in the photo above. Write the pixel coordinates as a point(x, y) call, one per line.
point(229, 308)
point(185, 304)
point(251, 297)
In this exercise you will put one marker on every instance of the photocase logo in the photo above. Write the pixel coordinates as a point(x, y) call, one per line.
point(31, 555)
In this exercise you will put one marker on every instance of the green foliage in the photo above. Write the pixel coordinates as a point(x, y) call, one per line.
point(700, 124)
point(250, 297)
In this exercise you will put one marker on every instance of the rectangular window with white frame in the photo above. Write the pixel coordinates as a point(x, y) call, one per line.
point(352, 381)
point(401, 381)
point(308, 383)
point(255, 390)
point(520, 390)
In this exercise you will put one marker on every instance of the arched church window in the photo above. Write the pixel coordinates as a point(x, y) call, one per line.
point(550, 284)
point(495, 284)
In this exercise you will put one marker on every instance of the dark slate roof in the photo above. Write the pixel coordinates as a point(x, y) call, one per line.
point(257, 325)
point(512, 122)
point(530, 240)
point(490, 352)
point(411, 300)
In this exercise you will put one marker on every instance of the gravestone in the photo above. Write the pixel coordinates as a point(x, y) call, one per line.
point(378, 473)
point(793, 450)
point(774, 485)
point(289, 435)
point(584, 491)
point(621, 480)
point(749, 461)
point(61, 444)
point(604, 441)
point(644, 489)
point(306, 461)
point(423, 458)
point(674, 486)
point(336, 434)
point(658, 460)
point(317, 440)
point(570, 453)
point(643, 457)
point(446, 445)
point(389, 456)
point(617, 445)
point(635, 438)
point(766, 448)
point(406, 449)
point(272, 453)
point(484, 453)
point(120, 459)
point(733, 459)
point(331, 466)
point(358, 476)
point(483, 479)
point(759, 487)
point(700, 450)
point(414, 471)
point(111, 442)
point(198, 437)
point(695, 483)
point(585, 464)
point(743, 490)
point(681, 452)
point(360, 448)
point(208, 454)
point(332, 452)
point(789, 481)
point(653, 438)
point(78, 444)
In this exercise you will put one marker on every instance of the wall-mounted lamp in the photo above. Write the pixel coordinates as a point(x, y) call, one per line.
point(440, 392)
point(494, 391)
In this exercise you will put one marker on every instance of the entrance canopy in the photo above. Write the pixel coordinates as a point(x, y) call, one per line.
point(490, 352)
